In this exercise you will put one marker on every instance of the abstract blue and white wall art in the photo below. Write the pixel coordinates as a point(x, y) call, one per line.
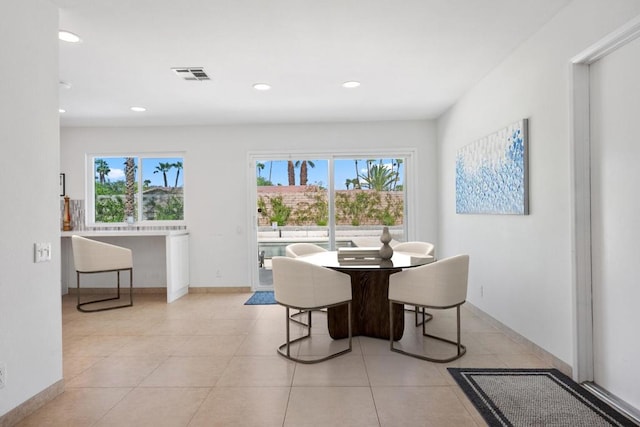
point(491, 173)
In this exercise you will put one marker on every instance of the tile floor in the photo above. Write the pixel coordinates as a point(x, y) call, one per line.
point(209, 360)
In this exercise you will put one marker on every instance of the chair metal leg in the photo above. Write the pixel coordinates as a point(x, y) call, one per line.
point(287, 344)
point(80, 306)
point(299, 322)
point(285, 349)
point(301, 312)
point(461, 349)
point(425, 316)
point(391, 325)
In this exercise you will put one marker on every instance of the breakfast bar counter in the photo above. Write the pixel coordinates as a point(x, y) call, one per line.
point(160, 257)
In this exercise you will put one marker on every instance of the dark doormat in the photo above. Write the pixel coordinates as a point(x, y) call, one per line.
point(534, 397)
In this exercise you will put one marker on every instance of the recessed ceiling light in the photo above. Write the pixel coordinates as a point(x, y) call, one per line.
point(351, 84)
point(261, 86)
point(60, 110)
point(138, 109)
point(68, 36)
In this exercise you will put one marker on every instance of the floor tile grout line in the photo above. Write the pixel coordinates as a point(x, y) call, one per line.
point(195, 412)
point(366, 370)
point(286, 410)
point(131, 389)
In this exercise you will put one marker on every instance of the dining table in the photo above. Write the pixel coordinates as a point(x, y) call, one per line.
point(369, 290)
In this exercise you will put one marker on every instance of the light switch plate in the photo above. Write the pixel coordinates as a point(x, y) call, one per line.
point(42, 252)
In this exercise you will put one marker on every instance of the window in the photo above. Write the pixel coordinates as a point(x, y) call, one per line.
point(369, 192)
point(135, 188)
point(332, 201)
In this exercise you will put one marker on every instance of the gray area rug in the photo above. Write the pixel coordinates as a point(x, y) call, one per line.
point(534, 397)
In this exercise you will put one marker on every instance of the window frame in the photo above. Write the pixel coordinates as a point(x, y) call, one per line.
point(90, 189)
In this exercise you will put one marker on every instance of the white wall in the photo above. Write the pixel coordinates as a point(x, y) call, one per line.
point(523, 263)
point(30, 313)
point(216, 176)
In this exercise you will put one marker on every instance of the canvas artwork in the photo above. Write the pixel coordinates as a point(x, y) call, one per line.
point(491, 173)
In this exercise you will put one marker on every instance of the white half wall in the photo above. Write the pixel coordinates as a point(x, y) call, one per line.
point(216, 176)
point(30, 311)
point(520, 269)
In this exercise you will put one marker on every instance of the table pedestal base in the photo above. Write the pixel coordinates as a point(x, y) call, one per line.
point(369, 309)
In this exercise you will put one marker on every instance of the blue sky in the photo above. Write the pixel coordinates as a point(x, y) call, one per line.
point(116, 164)
point(343, 168)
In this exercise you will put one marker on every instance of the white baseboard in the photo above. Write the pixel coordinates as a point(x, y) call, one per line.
point(31, 405)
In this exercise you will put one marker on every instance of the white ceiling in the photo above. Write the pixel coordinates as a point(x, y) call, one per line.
point(414, 58)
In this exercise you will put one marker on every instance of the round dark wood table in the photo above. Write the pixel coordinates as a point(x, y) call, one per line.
point(370, 290)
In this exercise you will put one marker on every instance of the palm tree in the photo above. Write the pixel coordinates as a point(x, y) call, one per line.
point(303, 169)
point(102, 167)
point(398, 162)
point(270, 169)
point(291, 173)
point(259, 167)
point(163, 168)
point(369, 163)
point(178, 166)
point(379, 178)
point(356, 184)
point(130, 179)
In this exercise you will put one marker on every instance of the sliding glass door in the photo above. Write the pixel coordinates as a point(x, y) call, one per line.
point(291, 206)
point(332, 202)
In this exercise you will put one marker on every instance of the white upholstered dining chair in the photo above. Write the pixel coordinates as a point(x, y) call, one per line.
point(304, 286)
point(294, 250)
point(422, 248)
point(91, 256)
point(425, 249)
point(439, 285)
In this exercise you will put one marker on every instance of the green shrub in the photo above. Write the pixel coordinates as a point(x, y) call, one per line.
point(109, 209)
point(172, 210)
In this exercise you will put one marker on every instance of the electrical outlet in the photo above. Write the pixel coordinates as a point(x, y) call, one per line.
point(41, 252)
point(218, 274)
point(3, 374)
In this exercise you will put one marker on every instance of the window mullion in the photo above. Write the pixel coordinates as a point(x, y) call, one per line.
point(140, 190)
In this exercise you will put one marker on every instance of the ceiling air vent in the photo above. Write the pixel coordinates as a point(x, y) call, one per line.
point(191, 73)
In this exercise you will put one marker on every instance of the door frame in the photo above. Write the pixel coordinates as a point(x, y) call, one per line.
point(583, 364)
